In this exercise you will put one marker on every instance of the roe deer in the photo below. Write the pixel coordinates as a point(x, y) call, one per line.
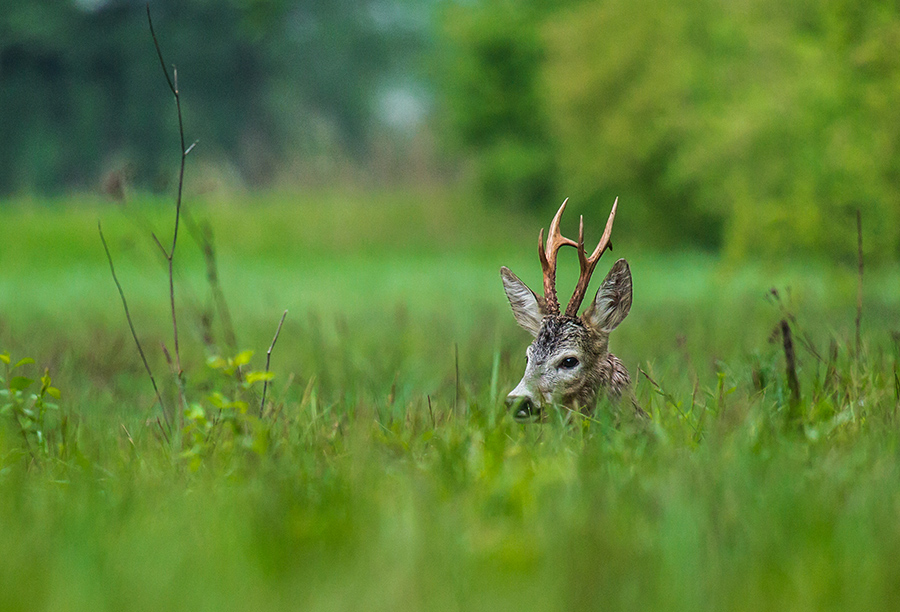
point(568, 362)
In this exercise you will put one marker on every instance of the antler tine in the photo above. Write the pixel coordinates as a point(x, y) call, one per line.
point(555, 241)
point(589, 263)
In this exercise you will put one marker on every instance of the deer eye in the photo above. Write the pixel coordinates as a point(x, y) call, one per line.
point(568, 363)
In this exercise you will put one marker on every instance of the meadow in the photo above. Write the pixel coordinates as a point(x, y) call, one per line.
point(384, 472)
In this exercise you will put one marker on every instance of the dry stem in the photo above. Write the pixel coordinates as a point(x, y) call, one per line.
point(791, 370)
point(140, 349)
point(262, 403)
point(170, 253)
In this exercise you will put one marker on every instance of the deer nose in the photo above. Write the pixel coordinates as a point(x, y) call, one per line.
point(522, 407)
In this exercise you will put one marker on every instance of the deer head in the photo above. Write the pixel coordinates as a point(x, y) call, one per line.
point(568, 362)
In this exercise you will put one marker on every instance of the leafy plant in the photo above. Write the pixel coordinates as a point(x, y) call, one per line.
point(27, 410)
point(199, 434)
point(227, 423)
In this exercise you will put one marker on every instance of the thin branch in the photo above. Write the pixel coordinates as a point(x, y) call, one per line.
point(163, 431)
point(131, 325)
point(159, 244)
point(179, 371)
point(170, 254)
point(262, 403)
point(162, 62)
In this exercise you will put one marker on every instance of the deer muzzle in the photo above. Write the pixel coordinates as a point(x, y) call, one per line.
point(522, 401)
point(522, 407)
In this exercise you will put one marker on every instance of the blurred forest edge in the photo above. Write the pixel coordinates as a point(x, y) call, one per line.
point(756, 128)
point(267, 85)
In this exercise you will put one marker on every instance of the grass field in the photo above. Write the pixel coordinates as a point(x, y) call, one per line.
point(385, 473)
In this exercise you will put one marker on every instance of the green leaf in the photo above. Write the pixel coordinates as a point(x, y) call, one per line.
point(20, 383)
point(22, 362)
point(218, 400)
point(195, 413)
point(242, 358)
point(216, 363)
point(53, 392)
point(253, 377)
point(4, 357)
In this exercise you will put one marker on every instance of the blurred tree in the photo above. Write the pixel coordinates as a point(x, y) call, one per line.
point(80, 88)
point(759, 127)
point(492, 99)
point(624, 79)
point(786, 139)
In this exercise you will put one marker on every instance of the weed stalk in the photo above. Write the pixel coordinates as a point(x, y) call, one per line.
point(791, 368)
point(262, 402)
point(134, 335)
point(169, 254)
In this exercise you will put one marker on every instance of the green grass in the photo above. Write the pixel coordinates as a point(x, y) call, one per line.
point(379, 480)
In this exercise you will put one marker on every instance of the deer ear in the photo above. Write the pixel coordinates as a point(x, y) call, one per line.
point(613, 299)
point(525, 304)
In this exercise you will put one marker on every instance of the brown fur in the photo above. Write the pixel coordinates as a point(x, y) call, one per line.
point(598, 372)
point(569, 362)
point(603, 371)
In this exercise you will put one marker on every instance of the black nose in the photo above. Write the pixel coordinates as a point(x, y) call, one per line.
point(522, 407)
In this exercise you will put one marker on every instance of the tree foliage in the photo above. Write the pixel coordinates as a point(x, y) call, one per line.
point(760, 127)
point(80, 86)
point(493, 103)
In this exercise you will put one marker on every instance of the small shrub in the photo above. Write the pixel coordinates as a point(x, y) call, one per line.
point(27, 410)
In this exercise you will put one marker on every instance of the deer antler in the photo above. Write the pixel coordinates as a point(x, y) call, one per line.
point(589, 263)
point(555, 241)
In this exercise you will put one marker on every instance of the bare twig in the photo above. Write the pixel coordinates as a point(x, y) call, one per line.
point(159, 244)
point(162, 62)
point(262, 403)
point(163, 430)
point(170, 253)
point(131, 325)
